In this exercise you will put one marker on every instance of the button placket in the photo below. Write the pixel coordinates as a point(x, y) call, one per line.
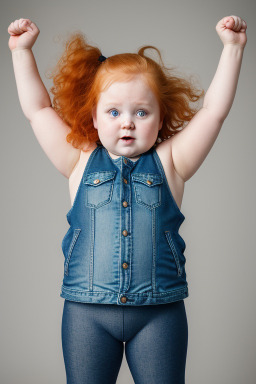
point(125, 229)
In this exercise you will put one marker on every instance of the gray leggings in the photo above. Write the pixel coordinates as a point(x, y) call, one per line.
point(154, 337)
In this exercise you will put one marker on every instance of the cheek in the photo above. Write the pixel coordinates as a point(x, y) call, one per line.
point(107, 128)
point(150, 126)
point(150, 131)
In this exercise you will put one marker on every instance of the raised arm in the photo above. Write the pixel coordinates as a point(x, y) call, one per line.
point(191, 145)
point(49, 128)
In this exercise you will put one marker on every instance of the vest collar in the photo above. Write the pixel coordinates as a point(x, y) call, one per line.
point(123, 159)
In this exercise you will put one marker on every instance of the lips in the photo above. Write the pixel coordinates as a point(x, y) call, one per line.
point(127, 140)
point(127, 137)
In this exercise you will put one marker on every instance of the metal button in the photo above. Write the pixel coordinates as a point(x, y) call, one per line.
point(125, 181)
point(125, 204)
point(125, 161)
point(125, 233)
point(125, 265)
point(123, 299)
point(96, 181)
point(149, 182)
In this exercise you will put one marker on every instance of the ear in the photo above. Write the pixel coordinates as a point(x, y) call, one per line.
point(160, 124)
point(94, 117)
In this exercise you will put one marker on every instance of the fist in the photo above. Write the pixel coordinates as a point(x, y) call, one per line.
point(23, 34)
point(232, 30)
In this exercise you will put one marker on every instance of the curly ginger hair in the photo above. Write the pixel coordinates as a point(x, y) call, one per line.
point(79, 78)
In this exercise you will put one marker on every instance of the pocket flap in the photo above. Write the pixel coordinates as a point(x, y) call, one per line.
point(149, 179)
point(97, 178)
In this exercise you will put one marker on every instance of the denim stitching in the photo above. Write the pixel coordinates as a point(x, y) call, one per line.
point(153, 283)
point(110, 195)
point(105, 175)
point(71, 247)
point(141, 181)
point(92, 249)
point(174, 291)
point(130, 230)
point(156, 179)
point(120, 221)
point(175, 254)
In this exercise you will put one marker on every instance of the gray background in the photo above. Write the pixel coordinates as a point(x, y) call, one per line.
point(218, 203)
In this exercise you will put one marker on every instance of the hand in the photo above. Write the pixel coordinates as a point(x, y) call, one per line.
point(23, 34)
point(231, 30)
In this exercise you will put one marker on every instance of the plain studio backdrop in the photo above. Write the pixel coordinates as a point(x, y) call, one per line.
point(218, 203)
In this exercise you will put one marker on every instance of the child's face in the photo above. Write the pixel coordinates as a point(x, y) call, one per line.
point(127, 109)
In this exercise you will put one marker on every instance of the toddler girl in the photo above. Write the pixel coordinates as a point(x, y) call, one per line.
point(123, 131)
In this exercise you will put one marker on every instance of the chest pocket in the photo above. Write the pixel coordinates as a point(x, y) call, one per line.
point(147, 189)
point(99, 189)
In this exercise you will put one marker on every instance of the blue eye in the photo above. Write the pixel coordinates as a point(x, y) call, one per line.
point(142, 113)
point(114, 112)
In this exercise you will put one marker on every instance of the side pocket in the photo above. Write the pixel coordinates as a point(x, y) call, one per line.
point(174, 252)
point(70, 250)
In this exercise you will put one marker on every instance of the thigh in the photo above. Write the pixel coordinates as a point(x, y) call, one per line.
point(157, 352)
point(91, 354)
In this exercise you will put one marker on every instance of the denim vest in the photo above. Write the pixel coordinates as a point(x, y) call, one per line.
point(123, 245)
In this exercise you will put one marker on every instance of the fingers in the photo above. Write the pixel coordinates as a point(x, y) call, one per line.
point(20, 26)
point(235, 23)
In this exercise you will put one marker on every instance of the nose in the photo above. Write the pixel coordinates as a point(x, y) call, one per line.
point(128, 123)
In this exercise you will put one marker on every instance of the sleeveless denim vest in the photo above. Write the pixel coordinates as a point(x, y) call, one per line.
point(123, 245)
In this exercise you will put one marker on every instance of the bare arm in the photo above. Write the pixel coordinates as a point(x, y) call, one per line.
point(190, 146)
point(32, 93)
point(221, 93)
point(48, 127)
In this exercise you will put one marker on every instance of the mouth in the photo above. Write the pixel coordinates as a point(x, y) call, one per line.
point(127, 139)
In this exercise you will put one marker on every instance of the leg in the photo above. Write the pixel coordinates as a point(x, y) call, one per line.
point(157, 352)
point(91, 354)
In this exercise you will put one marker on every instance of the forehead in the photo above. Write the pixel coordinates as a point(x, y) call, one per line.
point(135, 88)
